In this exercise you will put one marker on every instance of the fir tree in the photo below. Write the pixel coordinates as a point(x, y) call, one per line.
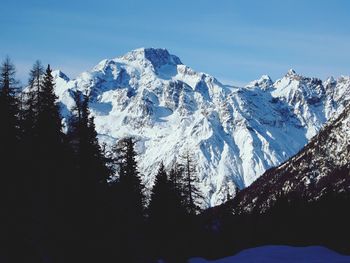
point(166, 215)
point(82, 134)
point(161, 196)
point(9, 104)
point(89, 179)
point(90, 173)
point(9, 113)
point(47, 153)
point(11, 196)
point(129, 179)
point(48, 127)
point(49, 119)
point(131, 201)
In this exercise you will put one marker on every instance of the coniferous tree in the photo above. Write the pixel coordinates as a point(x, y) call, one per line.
point(45, 157)
point(50, 147)
point(166, 215)
point(184, 180)
point(83, 137)
point(29, 114)
point(11, 196)
point(161, 198)
point(160, 191)
point(190, 191)
point(9, 116)
point(131, 200)
point(8, 102)
point(54, 167)
point(89, 179)
point(129, 179)
point(36, 78)
point(49, 119)
point(175, 177)
point(32, 99)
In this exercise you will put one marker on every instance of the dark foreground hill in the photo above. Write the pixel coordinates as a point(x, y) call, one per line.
point(304, 201)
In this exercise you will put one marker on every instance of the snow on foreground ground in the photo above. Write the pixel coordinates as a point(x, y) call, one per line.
point(285, 254)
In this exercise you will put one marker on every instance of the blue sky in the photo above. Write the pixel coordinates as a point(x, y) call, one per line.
point(235, 41)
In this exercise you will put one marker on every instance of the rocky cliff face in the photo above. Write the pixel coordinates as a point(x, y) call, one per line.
point(320, 168)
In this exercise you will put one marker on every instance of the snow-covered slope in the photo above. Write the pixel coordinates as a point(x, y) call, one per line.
point(234, 133)
point(321, 167)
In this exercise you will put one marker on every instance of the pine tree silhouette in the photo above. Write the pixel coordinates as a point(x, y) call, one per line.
point(166, 216)
point(29, 112)
point(132, 202)
point(54, 167)
point(9, 116)
point(175, 176)
point(129, 179)
point(89, 179)
point(32, 100)
point(11, 192)
point(36, 78)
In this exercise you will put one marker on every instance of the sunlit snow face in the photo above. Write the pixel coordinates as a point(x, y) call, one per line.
point(234, 133)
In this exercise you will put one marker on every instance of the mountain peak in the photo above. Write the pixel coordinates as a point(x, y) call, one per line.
point(170, 107)
point(264, 83)
point(157, 56)
point(330, 81)
point(59, 74)
point(291, 72)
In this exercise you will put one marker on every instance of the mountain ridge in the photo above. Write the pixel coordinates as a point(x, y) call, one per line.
point(235, 133)
point(320, 168)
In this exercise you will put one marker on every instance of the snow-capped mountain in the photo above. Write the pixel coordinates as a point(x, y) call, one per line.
point(321, 167)
point(235, 134)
